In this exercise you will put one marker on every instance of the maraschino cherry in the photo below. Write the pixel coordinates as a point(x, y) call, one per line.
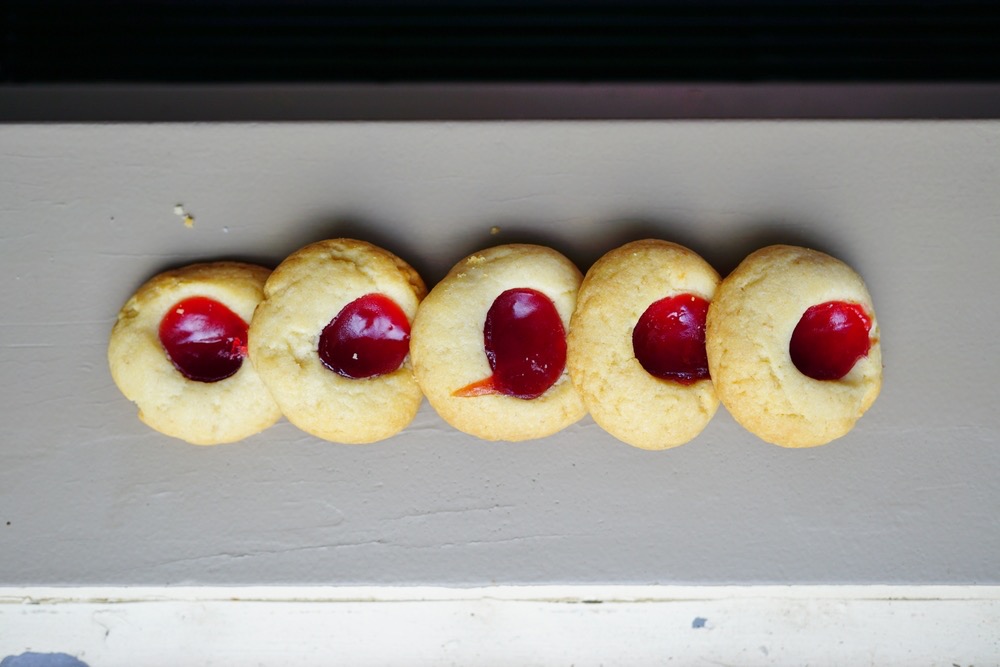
point(829, 339)
point(525, 344)
point(669, 339)
point(369, 337)
point(204, 339)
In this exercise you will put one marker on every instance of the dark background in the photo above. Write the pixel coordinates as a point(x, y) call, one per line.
point(267, 41)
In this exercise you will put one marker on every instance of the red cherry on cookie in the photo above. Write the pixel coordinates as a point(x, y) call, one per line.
point(204, 340)
point(525, 345)
point(669, 339)
point(369, 337)
point(829, 339)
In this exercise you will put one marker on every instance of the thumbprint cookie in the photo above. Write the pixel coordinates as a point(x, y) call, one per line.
point(179, 351)
point(331, 339)
point(637, 344)
point(489, 344)
point(793, 346)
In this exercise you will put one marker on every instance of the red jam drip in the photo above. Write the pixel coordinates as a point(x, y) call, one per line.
point(829, 339)
point(204, 340)
point(369, 337)
point(669, 339)
point(525, 345)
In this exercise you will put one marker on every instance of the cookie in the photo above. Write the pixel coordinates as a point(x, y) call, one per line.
point(178, 351)
point(331, 340)
point(637, 344)
point(489, 344)
point(793, 346)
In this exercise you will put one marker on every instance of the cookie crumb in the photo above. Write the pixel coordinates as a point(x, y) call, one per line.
point(494, 230)
point(184, 215)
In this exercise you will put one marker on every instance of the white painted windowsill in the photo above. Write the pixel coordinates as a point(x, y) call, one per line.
point(507, 625)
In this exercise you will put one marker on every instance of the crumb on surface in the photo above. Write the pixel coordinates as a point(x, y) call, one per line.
point(494, 230)
point(187, 218)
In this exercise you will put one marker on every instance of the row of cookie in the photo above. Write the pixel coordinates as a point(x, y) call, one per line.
point(513, 344)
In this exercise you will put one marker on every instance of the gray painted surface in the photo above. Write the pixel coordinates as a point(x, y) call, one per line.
point(89, 495)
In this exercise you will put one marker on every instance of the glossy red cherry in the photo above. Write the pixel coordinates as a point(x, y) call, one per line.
point(369, 337)
point(669, 339)
point(204, 340)
point(525, 346)
point(829, 339)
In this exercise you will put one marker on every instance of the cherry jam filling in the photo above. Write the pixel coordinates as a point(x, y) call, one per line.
point(369, 337)
point(829, 339)
point(669, 339)
point(204, 340)
point(525, 345)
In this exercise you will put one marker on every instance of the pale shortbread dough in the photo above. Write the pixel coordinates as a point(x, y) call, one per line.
point(621, 396)
point(448, 350)
point(202, 413)
point(307, 290)
point(750, 325)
